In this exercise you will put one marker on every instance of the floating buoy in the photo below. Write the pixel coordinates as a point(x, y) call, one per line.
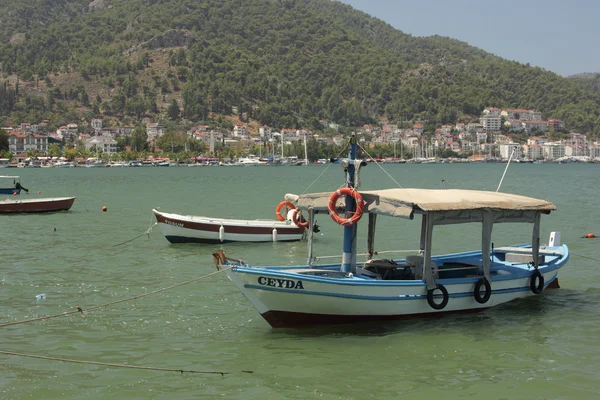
point(39, 192)
point(104, 208)
point(14, 193)
point(589, 236)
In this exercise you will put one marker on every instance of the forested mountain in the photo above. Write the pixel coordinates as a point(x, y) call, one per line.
point(284, 63)
point(589, 80)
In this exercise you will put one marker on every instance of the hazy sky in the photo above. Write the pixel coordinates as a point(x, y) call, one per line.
point(562, 36)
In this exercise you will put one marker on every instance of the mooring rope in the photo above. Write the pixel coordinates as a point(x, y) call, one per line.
point(379, 165)
point(81, 310)
point(145, 233)
point(191, 371)
point(321, 174)
point(589, 258)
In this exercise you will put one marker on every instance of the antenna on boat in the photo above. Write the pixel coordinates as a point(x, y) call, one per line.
point(506, 169)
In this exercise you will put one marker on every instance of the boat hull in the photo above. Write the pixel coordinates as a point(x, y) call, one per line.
point(43, 205)
point(291, 298)
point(196, 229)
point(9, 191)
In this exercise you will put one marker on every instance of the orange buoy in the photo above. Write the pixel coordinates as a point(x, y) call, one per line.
point(104, 208)
point(39, 192)
point(589, 236)
point(14, 193)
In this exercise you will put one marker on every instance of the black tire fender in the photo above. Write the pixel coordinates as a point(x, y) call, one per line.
point(477, 291)
point(432, 303)
point(536, 284)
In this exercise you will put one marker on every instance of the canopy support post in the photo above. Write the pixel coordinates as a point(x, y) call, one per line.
point(311, 224)
point(371, 236)
point(427, 272)
point(486, 243)
point(535, 242)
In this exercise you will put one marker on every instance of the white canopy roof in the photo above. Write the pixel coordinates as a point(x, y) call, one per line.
point(404, 202)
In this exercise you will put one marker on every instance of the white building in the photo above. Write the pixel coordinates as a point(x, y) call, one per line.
point(553, 150)
point(533, 151)
point(491, 112)
point(96, 124)
point(154, 130)
point(506, 149)
point(481, 137)
point(491, 124)
point(104, 143)
point(240, 131)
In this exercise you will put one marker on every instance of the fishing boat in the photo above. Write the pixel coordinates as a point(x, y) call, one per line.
point(198, 229)
point(11, 185)
point(421, 284)
point(41, 205)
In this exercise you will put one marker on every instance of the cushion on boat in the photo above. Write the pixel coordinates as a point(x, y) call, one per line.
point(522, 258)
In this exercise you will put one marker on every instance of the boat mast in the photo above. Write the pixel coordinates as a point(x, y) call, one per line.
point(349, 247)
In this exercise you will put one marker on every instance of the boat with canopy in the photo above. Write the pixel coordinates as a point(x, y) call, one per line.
point(421, 284)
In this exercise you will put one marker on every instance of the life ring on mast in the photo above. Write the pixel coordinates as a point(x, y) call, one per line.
point(296, 219)
point(477, 291)
point(432, 303)
point(360, 205)
point(288, 205)
point(536, 284)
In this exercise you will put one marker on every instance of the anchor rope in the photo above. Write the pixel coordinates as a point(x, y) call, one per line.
point(589, 258)
point(145, 233)
point(81, 310)
point(191, 371)
point(379, 165)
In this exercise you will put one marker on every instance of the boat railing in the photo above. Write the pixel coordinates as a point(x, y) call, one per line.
point(370, 255)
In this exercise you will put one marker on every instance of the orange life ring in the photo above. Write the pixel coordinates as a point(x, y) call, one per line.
point(299, 223)
point(288, 205)
point(360, 204)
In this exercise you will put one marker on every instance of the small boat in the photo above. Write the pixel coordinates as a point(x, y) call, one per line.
point(197, 229)
point(8, 187)
point(421, 284)
point(42, 205)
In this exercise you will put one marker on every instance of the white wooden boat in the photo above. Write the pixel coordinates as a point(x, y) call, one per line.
point(198, 229)
point(421, 284)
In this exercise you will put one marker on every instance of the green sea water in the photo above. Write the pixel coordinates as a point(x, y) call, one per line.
point(543, 347)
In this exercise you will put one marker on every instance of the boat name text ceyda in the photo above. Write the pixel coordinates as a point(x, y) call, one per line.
point(280, 283)
point(169, 222)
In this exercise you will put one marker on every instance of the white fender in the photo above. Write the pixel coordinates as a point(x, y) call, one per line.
point(274, 234)
point(221, 233)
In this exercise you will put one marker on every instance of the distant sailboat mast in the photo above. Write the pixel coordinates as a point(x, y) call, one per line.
point(305, 151)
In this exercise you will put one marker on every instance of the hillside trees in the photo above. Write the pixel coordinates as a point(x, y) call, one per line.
point(298, 61)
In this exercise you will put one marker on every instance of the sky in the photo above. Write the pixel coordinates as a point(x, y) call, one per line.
point(562, 36)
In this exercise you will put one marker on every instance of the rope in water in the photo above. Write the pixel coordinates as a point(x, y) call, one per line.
point(191, 371)
point(589, 258)
point(81, 310)
point(145, 233)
